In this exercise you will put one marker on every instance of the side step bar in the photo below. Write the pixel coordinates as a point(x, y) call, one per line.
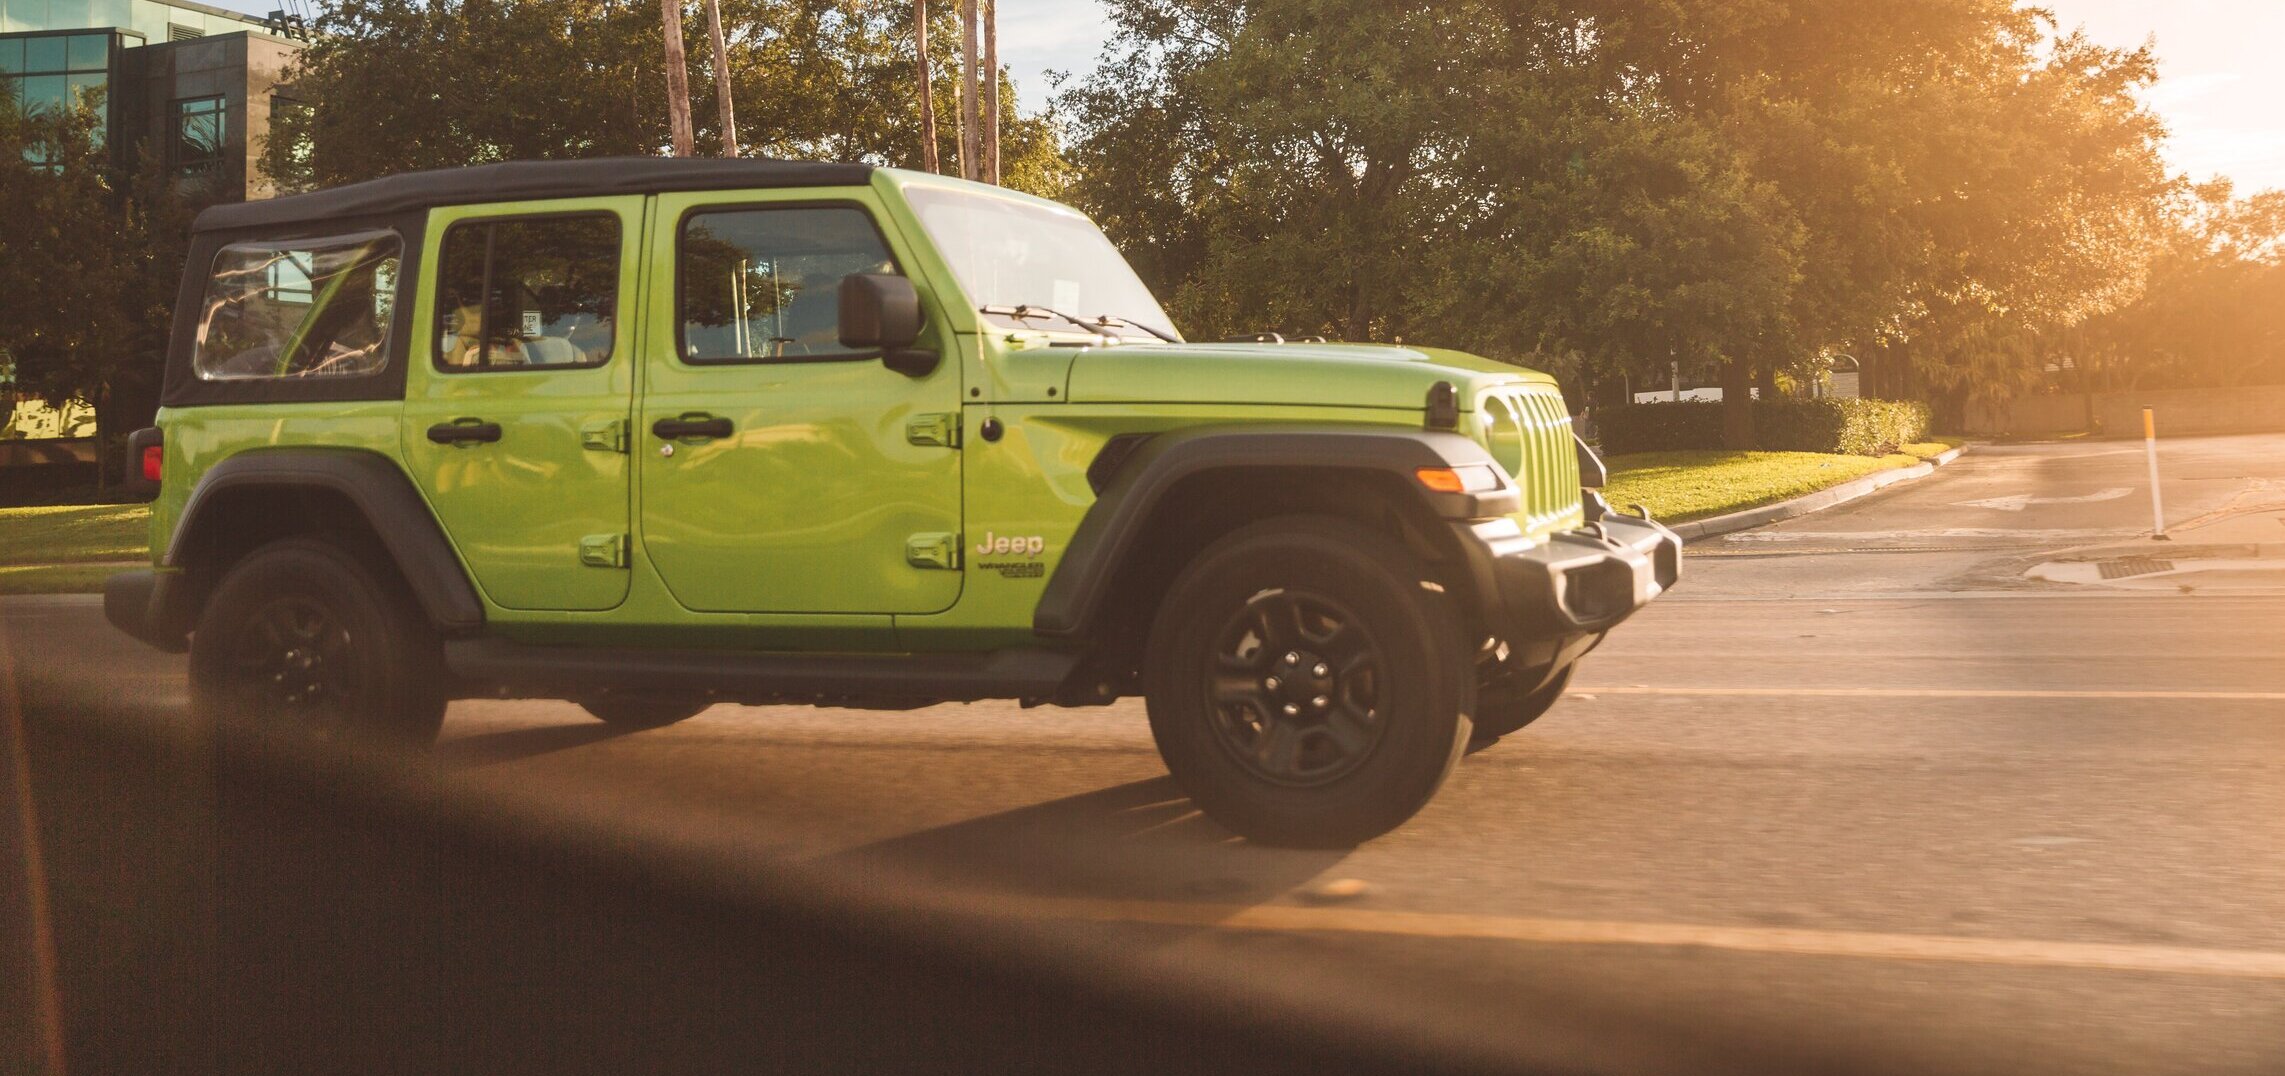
point(494, 667)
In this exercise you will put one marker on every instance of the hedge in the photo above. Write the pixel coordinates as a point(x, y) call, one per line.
point(1846, 427)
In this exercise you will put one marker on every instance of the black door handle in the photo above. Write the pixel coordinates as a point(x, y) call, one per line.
point(674, 429)
point(464, 430)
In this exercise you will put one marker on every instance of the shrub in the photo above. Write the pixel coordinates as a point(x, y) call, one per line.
point(1843, 427)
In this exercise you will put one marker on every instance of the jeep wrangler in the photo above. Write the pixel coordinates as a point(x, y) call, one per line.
point(651, 434)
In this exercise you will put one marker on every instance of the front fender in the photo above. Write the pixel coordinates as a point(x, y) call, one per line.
point(1107, 536)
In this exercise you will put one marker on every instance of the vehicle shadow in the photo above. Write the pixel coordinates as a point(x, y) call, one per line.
point(1137, 841)
point(494, 748)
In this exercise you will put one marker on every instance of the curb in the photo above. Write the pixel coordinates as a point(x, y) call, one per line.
point(1812, 502)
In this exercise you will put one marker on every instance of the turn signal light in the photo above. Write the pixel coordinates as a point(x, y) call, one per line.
point(154, 462)
point(1474, 478)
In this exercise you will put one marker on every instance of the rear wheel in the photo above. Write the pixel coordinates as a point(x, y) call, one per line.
point(1304, 688)
point(307, 640)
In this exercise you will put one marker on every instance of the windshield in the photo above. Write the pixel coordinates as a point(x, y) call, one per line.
point(1009, 254)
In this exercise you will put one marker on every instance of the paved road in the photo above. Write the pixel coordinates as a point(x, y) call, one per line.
point(1863, 795)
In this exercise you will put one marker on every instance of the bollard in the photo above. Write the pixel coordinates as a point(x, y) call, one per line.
point(2157, 506)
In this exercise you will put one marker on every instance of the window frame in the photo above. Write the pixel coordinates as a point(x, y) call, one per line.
point(434, 326)
point(388, 332)
point(204, 168)
point(681, 325)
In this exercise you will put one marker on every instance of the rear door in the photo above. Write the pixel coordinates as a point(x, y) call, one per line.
point(780, 471)
point(517, 401)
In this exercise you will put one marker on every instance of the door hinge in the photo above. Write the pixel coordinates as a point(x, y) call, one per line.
point(603, 551)
point(937, 429)
point(936, 549)
point(609, 435)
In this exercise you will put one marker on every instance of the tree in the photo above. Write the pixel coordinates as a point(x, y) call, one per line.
point(90, 257)
point(1737, 185)
point(387, 89)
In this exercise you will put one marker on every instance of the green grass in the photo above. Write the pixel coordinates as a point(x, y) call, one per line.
point(57, 549)
point(1682, 486)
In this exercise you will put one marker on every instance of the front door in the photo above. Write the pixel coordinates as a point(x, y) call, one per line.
point(518, 395)
point(780, 471)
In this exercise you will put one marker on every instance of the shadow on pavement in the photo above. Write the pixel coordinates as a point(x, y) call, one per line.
point(1141, 840)
point(494, 748)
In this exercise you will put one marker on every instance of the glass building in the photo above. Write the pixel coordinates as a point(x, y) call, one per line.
point(194, 83)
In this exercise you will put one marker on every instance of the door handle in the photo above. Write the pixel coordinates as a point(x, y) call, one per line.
point(692, 425)
point(461, 431)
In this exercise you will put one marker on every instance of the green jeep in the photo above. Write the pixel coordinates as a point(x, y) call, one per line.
point(652, 434)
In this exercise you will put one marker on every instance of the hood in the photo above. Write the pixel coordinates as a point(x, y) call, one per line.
point(1329, 375)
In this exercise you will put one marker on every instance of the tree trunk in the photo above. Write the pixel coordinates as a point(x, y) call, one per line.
point(722, 79)
point(928, 159)
point(971, 125)
point(1737, 405)
point(1765, 379)
point(677, 78)
point(991, 92)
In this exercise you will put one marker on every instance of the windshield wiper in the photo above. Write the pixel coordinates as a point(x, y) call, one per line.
point(1096, 325)
point(1124, 323)
point(1028, 311)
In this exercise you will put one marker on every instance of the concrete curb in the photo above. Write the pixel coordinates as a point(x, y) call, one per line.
point(1811, 502)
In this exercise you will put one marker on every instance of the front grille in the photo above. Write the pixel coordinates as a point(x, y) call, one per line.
point(1528, 431)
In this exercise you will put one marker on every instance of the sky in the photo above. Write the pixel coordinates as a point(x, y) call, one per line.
point(2221, 90)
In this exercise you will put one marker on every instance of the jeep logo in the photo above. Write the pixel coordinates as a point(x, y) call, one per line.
point(1027, 545)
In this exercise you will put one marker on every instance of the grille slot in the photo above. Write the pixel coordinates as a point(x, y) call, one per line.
point(1527, 429)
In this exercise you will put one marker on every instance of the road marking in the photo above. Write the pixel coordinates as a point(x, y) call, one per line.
point(2014, 536)
point(2021, 501)
point(1941, 948)
point(1936, 693)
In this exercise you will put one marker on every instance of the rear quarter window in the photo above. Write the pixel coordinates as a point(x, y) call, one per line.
point(318, 308)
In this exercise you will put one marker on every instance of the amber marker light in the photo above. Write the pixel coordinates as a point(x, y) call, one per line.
point(1474, 478)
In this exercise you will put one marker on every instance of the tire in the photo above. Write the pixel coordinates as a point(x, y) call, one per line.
point(630, 711)
point(305, 639)
point(1502, 711)
point(1305, 690)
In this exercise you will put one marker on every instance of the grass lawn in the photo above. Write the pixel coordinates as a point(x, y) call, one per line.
point(1682, 486)
point(54, 549)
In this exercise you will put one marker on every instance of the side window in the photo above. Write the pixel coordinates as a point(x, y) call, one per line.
point(315, 308)
point(532, 293)
point(764, 285)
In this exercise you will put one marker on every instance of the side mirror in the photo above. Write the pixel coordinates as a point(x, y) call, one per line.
point(879, 310)
point(882, 310)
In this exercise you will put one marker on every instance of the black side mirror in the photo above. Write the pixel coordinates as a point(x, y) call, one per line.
point(882, 310)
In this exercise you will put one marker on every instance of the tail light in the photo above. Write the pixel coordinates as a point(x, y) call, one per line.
point(154, 462)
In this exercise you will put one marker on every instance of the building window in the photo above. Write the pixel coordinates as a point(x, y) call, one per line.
point(200, 127)
point(56, 71)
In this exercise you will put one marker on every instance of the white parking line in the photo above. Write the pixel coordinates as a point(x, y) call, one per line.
point(1931, 693)
point(1942, 948)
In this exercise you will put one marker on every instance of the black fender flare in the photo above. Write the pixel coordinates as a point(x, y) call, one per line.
point(375, 486)
point(1108, 533)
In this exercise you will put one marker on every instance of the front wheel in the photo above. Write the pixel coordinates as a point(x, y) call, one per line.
point(305, 639)
point(1304, 688)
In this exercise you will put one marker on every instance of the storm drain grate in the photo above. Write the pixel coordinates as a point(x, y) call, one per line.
point(2130, 566)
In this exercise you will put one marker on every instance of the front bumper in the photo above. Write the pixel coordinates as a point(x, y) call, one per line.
point(1572, 583)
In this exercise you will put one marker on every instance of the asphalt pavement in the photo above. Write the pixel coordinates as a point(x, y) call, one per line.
point(1882, 788)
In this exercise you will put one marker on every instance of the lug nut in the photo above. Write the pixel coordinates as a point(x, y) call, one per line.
point(1320, 702)
point(1270, 684)
point(1292, 711)
point(1292, 658)
point(1322, 669)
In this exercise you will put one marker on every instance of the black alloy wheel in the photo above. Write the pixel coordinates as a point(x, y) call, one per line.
point(317, 641)
point(1305, 687)
point(1295, 688)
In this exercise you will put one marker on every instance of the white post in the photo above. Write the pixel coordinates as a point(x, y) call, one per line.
point(1674, 373)
point(2157, 506)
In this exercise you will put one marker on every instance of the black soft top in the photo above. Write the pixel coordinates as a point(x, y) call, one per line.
point(516, 181)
